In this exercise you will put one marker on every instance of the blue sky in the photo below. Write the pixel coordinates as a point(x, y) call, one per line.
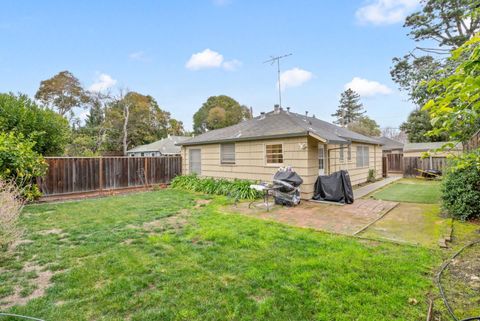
point(181, 52)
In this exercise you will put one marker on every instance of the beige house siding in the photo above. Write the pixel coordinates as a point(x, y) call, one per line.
point(433, 154)
point(301, 153)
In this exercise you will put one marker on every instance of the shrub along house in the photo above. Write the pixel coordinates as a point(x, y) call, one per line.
point(254, 149)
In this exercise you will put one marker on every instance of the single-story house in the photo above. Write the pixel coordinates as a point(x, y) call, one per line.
point(391, 146)
point(254, 149)
point(163, 147)
point(418, 149)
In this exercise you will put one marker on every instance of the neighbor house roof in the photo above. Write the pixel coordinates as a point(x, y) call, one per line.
point(280, 124)
point(389, 144)
point(165, 146)
point(424, 147)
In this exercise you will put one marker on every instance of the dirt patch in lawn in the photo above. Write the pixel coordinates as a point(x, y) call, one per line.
point(342, 219)
point(461, 283)
point(176, 221)
point(40, 284)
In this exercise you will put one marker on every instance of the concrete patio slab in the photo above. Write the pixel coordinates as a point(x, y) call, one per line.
point(367, 189)
point(347, 219)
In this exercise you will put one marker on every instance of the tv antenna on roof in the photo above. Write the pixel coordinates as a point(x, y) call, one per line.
point(272, 60)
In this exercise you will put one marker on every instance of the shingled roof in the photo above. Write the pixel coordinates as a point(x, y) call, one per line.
point(280, 124)
point(166, 146)
point(389, 144)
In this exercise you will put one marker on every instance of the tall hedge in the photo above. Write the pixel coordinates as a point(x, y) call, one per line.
point(20, 164)
point(461, 187)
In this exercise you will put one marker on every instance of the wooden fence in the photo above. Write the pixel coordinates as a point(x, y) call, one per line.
point(472, 143)
point(68, 175)
point(411, 164)
point(394, 163)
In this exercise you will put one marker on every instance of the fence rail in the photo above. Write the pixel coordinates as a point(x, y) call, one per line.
point(411, 164)
point(68, 175)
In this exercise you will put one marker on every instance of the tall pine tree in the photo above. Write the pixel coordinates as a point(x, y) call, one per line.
point(350, 108)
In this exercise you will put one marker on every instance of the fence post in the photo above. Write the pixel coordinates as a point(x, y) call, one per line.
point(145, 170)
point(100, 172)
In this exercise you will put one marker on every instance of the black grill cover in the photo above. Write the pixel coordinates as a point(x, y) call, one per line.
point(289, 177)
point(334, 188)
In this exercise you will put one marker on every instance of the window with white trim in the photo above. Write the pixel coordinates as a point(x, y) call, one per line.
point(227, 153)
point(349, 153)
point(341, 156)
point(274, 153)
point(363, 156)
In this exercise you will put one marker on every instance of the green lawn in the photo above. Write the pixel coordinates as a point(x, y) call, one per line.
point(202, 264)
point(411, 191)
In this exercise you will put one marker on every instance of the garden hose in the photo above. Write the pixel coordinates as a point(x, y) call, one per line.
point(442, 293)
point(19, 316)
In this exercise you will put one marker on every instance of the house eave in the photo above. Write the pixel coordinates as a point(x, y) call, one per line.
point(243, 139)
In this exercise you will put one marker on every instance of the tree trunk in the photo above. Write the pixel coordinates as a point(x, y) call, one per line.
point(126, 114)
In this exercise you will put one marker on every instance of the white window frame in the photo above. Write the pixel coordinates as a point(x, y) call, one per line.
point(349, 153)
point(341, 154)
point(228, 162)
point(265, 153)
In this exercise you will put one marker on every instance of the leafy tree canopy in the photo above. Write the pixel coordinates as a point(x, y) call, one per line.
point(219, 112)
point(445, 23)
point(418, 125)
point(47, 129)
point(366, 126)
point(147, 122)
point(455, 108)
point(350, 108)
point(63, 92)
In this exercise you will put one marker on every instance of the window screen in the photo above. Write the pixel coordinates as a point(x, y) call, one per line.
point(363, 157)
point(227, 152)
point(274, 153)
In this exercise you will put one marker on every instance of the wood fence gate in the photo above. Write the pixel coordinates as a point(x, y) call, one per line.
point(69, 175)
point(394, 163)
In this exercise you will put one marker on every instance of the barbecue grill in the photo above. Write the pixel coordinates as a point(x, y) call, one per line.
point(286, 187)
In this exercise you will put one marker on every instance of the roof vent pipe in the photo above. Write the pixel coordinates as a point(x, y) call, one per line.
point(306, 113)
point(262, 115)
point(276, 108)
point(288, 109)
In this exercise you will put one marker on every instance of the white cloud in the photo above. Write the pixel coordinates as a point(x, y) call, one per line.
point(384, 12)
point(294, 77)
point(102, 83)
point(367, 88)
point(210, 59)
point(231, 65)
point(138, 56)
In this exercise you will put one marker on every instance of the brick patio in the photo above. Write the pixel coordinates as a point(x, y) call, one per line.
point(342, 219)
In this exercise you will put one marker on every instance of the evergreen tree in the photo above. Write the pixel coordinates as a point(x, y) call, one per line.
point(350, 108)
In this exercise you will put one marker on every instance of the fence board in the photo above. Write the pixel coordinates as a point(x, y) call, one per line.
point(411, 164)
point(67, 175)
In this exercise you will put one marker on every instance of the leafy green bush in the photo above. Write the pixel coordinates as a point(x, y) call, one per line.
point(371, 175)
point(235, 188)
point(461, 187)
point(46, 128)
point(20, 164)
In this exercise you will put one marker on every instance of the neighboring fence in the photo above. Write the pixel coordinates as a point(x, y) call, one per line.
point(411, 164)
point(473, 143)
point(67, 175)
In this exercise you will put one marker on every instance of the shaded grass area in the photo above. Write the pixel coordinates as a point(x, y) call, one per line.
point(412, 191)
point(213, 266)
point(411, 223)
